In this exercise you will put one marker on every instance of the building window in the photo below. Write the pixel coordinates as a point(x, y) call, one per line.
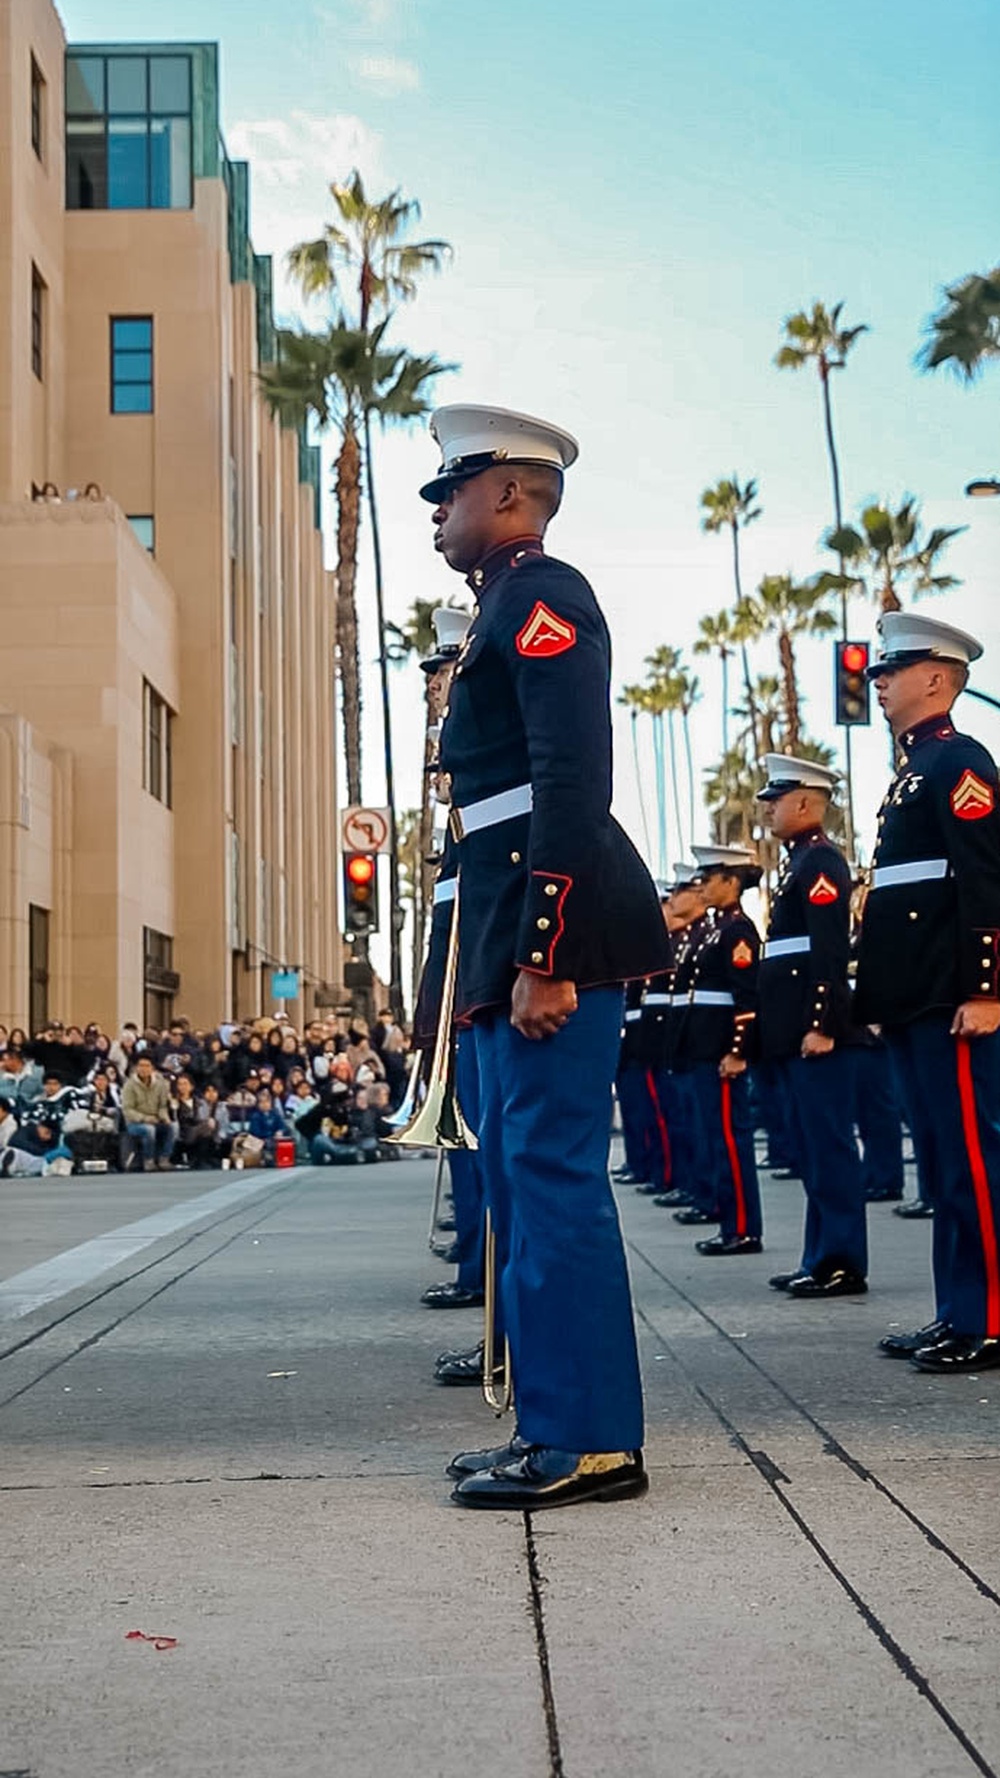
point(144, 527)
point(128, 132)
point(37, 323)
point(160, 980)
point(37, 109)
point(38, 969)
point(131, 364)
point(157, 754)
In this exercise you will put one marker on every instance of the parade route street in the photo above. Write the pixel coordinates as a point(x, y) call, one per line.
point(221, 1428)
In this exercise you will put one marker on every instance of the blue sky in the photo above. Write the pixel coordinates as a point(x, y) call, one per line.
point(637, 195)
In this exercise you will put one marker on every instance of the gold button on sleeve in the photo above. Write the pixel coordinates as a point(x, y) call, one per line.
point(515, 858)
point(537, 957)
point(552, 888)
point(543, 924)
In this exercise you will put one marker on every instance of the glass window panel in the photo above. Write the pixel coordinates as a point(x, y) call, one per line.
point(133, 334)
point(170, 163)
point(132, 398)
point(142, 525)
point(170, 83)
point(128, 169)
point(127, 83)
point(86, 165)
point(133, 367)
point(84, 85)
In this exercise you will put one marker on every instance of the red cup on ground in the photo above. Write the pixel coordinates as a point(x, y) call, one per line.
point(284, 1152)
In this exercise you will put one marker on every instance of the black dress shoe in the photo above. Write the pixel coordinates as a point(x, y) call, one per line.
point(958, 1353)
point(450, 1256)
point(544, 1478)
point(446, 1225)
point(914, 1208)
point(647, 1189)
point(784, 1173)
point(479, 1462)
point(730, 1244)
point(782, 1280)
point(905, 1344)
point(451, 1296)
point(693, 1218)
point(884, 1197)
point(836, 1283)
point(674, 1199)
point(460, 1367)
point(625, 1176)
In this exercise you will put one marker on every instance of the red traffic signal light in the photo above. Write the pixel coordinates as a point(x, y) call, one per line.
point(360, 893)
point(851, 692)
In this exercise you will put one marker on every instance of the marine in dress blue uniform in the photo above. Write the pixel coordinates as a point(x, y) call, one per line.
point(557, 911)
point(929, 975)
point(693, 1195)
point(648, 1157)
point(807, 1025)
point(718, 1038)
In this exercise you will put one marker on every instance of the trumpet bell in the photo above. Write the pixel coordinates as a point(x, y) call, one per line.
point(402, 1115)
point(438, 1123)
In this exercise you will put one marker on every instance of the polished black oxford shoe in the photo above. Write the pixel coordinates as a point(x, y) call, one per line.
point(782, 1280)
point(625, 1176)
point(647, 1189)
point(674, 1199)
point(460, 1367)
point(903, 1345)
point(451, 1296)
point(784, 1173)
point(727, 1244)
point(837, 1283)
point(446, 1224)
point(481, 1462)
point(544, 1478)
point(693, 1218)
point(914, 1208)
point(958, 1353)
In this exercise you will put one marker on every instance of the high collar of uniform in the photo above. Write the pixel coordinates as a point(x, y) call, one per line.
point(938, 728)
point(506, 555)
point(811, 837)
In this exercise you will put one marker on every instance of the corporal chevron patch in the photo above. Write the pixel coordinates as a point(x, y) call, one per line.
point(545, 634)
point(972, 797)
point(742, 955)
point(823, 892)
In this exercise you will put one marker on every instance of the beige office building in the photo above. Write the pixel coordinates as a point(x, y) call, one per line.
point(167, 818)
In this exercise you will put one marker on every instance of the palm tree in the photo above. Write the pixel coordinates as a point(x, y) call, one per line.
point(688, 694)
point(365, 260)
point(887, 550)
point(634, 699)
point(665, 692)
point(730, 792)
point(781, 608)
point(338, 378)
point(730, 507)
point(769, 710)
point(965, 333)
point(715, 636)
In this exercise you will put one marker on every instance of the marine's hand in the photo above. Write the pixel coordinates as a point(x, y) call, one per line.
point(540, 1008)
point(731, 1065)
point(976, 1018)
point(815, 1044)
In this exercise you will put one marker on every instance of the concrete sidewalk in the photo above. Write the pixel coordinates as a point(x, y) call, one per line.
point(231, 1438)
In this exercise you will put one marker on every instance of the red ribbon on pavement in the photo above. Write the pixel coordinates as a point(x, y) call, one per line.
point(159, 1642)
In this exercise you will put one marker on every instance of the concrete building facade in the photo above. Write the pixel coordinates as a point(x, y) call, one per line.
point(166, 674)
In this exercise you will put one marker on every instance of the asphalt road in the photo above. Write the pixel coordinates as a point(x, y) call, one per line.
point(218, 1426)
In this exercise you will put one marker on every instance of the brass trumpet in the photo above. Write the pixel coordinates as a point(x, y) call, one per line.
point(439, 1122)
point(408, 1104)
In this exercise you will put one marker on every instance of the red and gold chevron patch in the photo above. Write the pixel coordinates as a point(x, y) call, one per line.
point(972, 798)
point(545, 634)
point(742, 955)
point(823, 892)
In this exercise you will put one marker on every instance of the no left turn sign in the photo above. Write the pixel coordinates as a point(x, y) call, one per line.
point(364, 830)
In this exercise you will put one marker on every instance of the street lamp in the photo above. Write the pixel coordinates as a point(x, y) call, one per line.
point(984, 488)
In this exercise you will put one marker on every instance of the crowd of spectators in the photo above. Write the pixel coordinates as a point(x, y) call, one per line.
point(74, 1099)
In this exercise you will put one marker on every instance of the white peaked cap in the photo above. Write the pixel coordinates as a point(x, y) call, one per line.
point(906, 636)
point(474, 438)
point(733, 856)
point(785, 773)
point(450, 625)
point(684, 874)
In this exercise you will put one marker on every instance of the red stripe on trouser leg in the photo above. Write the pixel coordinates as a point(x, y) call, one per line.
point(980, 1186)
point(734, 1158)
point(661, 1126)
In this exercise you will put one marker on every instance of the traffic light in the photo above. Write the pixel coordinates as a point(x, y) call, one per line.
point(360, 892)
point(851, 696)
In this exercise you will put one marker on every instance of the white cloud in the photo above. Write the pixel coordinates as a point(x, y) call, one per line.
point(387, 75)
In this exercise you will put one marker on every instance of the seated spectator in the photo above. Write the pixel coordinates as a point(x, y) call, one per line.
point(267, 1124)
point(186, 1111)
point(365, 1122)
point(20, 1081)
point(242, 1102)
point(92, 1131)
point(18, 1040)
point(359, 1051)
point(394, 1060)
point(146, 1110)
point(39, 1138)
point(305, 1115)
point(333, 1144)
point(218, 1129)
point(175, 1056)
point(289, 1056)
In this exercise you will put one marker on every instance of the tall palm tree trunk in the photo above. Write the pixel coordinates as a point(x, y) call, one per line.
point(639, 785)
point(686, 718)
point(744, 655)
point(790, 693)
point(661, 795)
point(672, 742)
point(725, 702)
point(348, 494)
point(395, 960)
point(831, 447)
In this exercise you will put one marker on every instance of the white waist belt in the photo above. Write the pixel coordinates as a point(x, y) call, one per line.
point(491, 810)
point(634, 1012)
point(657, 999)
point(710, 997)
point(923, 870)
point(785, 947)
point(445, 891)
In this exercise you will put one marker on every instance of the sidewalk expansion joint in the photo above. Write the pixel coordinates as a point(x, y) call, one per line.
point(536, 1584)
